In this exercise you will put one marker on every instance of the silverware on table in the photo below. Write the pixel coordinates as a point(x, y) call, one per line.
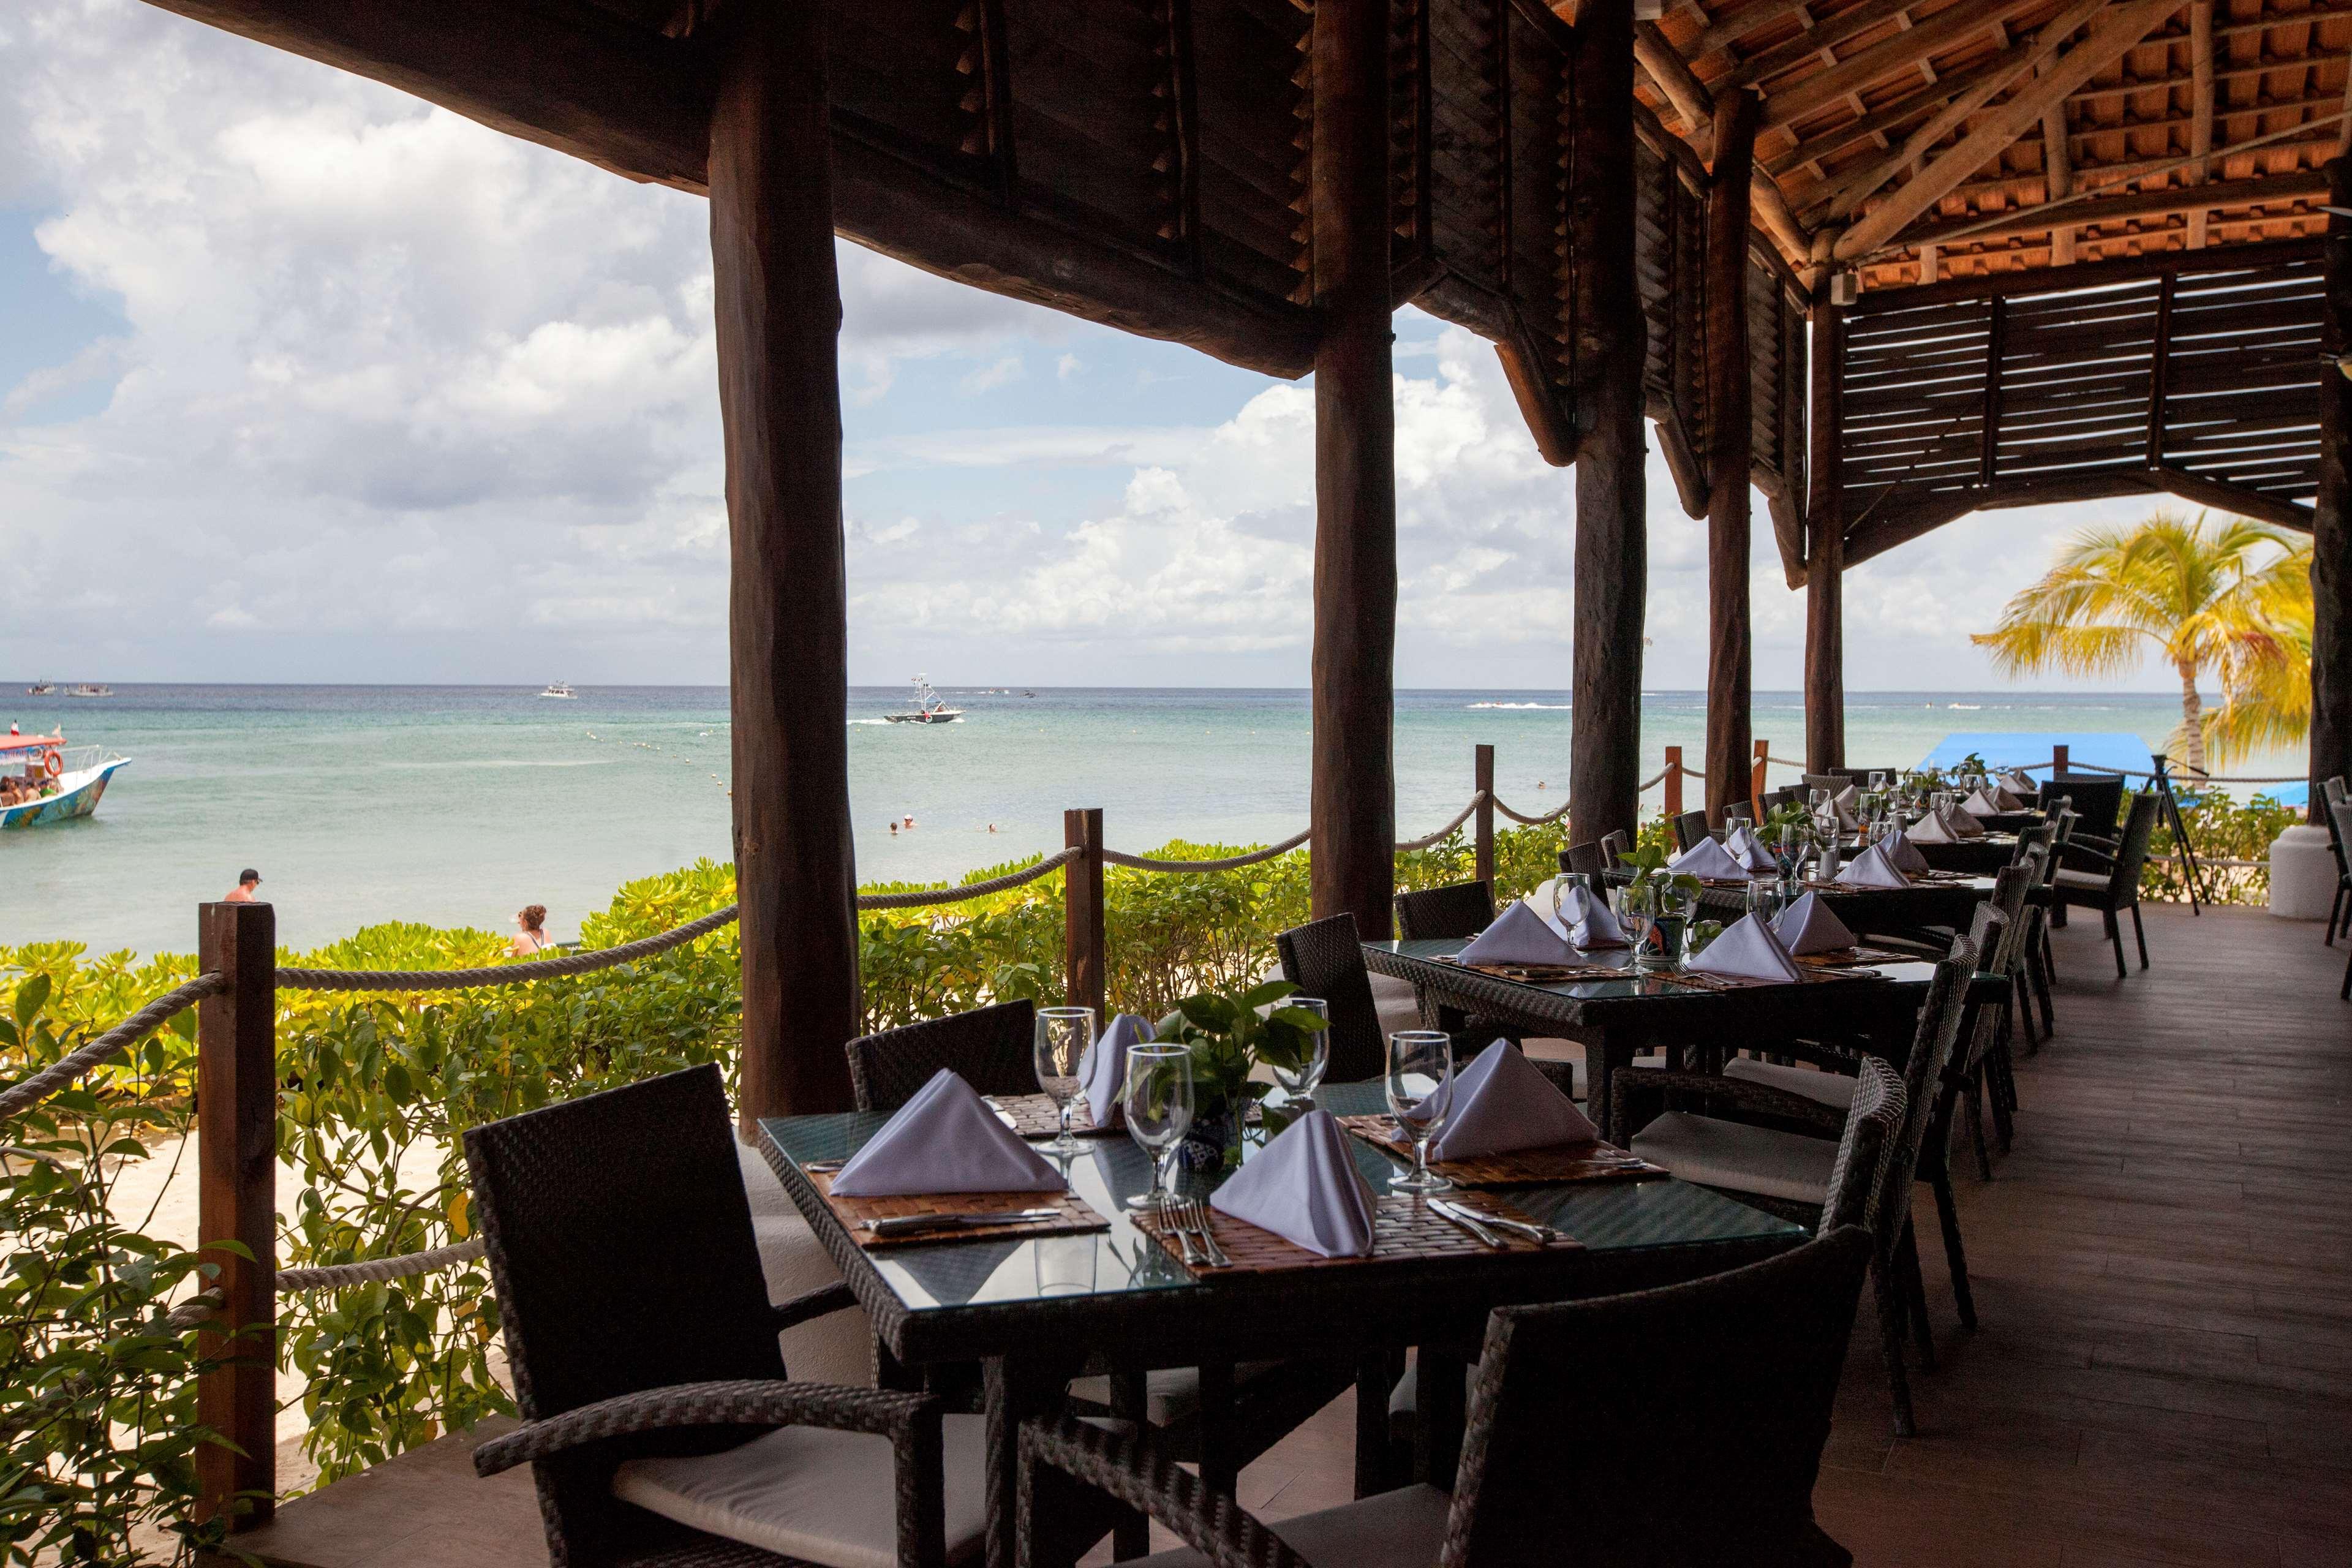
point(1536, 1233)
point(917, 1224)
point(1462, 1219)
point(1194, 1217)
point(822, 1167)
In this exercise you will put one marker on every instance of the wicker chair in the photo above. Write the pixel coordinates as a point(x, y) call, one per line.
point(1643, 1429)
point(1615, 846)
point(1689, 828)
point(2337, 916)
point(1770, 1161)
point(2097, 799)
point(646, 1361)
point(2339, 815)
point(2040, 961)
point(1458, 909)
point(1586, 860)
point(2113, 886)
point(994, 1050)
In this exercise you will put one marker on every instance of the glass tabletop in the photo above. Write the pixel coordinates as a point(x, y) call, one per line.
point(945, 1275)
point(1437, 949)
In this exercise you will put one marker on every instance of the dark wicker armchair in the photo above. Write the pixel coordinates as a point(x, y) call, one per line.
point(1458, 909)
point(2336, 796)
point(994, 1050)
point(1750, 1145)
point(2112, 885)
point(1689, 828)
point(1681, 1426)
point(641, 1342)
point(1325, 958)
point(1586, 860)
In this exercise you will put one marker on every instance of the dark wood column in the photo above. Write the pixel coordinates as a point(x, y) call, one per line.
point(2331, 528)
point(779, 317)
point(1730, 424)
point(1825, 548)
point(1354, 804)
point(1612, 545)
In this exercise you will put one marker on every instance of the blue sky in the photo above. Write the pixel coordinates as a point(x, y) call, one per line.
point(303, 380)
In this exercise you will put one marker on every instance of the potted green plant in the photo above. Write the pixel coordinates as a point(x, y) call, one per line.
point(1228, 1035)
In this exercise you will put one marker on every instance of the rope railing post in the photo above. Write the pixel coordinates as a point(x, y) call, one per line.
point(1084, 950)
point(1756, 781)
point(1673, 781)
point(2057, 762)
point(1482, 772)
point(237, 1200)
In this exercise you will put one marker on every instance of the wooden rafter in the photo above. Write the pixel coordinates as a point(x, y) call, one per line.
point(2200, 94)
point(2058, 177)
point(1766, 64)
point(2264, 190)
point(1945, 30)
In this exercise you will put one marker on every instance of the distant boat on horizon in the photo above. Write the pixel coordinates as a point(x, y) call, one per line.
point(42, 689)
point(930, 708)
point(560, 688)
point(90, 688)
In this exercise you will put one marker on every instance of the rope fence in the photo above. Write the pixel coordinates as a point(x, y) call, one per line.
point(1427, 839)
point(121, 1037)
point(965, 891)
point(1549, 816)
point(1230, 863)
point(503, 974)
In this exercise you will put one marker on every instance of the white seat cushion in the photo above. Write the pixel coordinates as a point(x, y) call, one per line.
point(1396, 1002)
point(2082, 881)
point(1743, 1158)
point(817, 1495)
point(1831, 1089)
point(1403, 1527)
point(836, 1348)
point(1171, 1393)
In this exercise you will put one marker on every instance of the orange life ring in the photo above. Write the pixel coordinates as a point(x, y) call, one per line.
point(52, 764)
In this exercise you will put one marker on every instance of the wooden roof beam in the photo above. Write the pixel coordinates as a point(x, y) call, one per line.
point(1886, 118)
point(1729, 30)
point(2267, 190)
point(1907, 51)
point(2058, 177)
point(2200, 95)
point(2118, 30)
point(1847, 23)
point(1696, 105)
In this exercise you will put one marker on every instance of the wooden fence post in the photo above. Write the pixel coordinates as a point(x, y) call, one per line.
point(1082, 948)
point(1482, 772)
point(1673, 781)
point(2057, 761)
point(237, 1200)
point(1756, 781)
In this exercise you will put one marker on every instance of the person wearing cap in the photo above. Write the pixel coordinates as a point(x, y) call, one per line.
point(246, 880)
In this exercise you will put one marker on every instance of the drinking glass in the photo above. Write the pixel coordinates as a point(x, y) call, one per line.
point(1065, 1265)
point(1298, 1080)
point(1063, 1036)
point(1420, 1085)
point(1788, 849)
point(1878, 783)
point(1764, 900)
point(1817, 800)
point(1158, 1105)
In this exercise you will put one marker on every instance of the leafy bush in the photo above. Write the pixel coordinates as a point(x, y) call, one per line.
point(2220, 830)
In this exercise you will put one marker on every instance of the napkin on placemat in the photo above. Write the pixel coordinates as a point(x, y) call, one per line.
point(1517, 936)
point(1963, 822)
point(1708, 859)
point(1102, 1071)
point(1502, 1102)
point(1303, 1187)
point(1930, 830)
point(1809, 926)
point(1741, 846)
point(1847, 804)
point(2021, 785)
point(1982, 804)
point(2007, 799)
point(945, 1139)
point(1905, 855)
point(1748, 950)
point(1591, 923)
point(1873, 868)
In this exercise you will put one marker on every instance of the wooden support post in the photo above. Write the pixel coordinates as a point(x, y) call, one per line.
point(1673, 781)
point(1825, 549)
point(2058, 761)
point(2331, 515)
point(1481, 771)
point(1085, 954)
point(1731, 423)
point(1612, 550)
point(1756, 783)
point(1353, 797)
point(779, 321)
point(237, 1200)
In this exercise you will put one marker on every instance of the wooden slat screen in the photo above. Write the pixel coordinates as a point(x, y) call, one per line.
point(1670, 268)
point(2240, 406)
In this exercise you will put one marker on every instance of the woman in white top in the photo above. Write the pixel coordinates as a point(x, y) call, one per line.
point(534, 938)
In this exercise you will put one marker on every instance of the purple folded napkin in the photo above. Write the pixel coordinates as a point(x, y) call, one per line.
point(1905, 854)
point(1303, 1187)
point(1741, 846)
point(1847, 804)
point(1962, 821)
point(1748, 950)
point(1102, 1071)
point(2021, 785)
point(1982, 804)
point(2007, 799)
point(1590, 924)
point(945, 1139)
point(1501, 1102)
point(1809, 926)
point(1873, 867)
point(1709, 860)
point(1930, 830)
point(1518, 935)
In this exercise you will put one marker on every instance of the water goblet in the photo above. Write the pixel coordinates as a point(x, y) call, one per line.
point(1063, 1036)
point(1817, 800)
point(1763, 899)
point(1158, 1105)
point(1878, 782)
point(1419, 1086)
point(1302, 1072)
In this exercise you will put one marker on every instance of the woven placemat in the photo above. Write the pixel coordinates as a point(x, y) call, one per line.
point(1034, 1116)
point(1543, 1167)
point(1545, 973)
point(1699, 980)
point(1847, 957)
point(1405, 1229)
point(1074, 1218)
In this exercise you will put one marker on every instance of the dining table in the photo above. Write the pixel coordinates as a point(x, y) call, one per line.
point(1980, 857)
point(1871, 1007)
point(1942, 900)
point(1037, 1311)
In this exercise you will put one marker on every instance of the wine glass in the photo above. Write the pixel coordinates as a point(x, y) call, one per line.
point(1063, 1036)
point(1878, 783)
point(1299, 1077)
point(1817, 800)
point(1158, 1105)
point(1420, 1085)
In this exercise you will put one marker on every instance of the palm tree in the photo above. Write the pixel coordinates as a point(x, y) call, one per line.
point(2215, 597)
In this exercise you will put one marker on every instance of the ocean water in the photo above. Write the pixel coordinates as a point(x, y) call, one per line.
point(459, 804)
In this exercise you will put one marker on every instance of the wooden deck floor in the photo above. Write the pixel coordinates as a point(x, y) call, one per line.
point(2163, 1268)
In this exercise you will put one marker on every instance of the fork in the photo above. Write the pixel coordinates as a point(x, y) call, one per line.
point(1195, 1219)
point(1172, 1217)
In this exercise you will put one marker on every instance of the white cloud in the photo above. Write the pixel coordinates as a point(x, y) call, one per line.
point(989, 378)
point(1067, 366)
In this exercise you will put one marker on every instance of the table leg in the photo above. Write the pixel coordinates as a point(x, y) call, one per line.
point(1601, 1051)
point(1438, 1404)
point(1130, 1401)
point(1018, 1388)
point(1375, 1375)
point(1220, 1466)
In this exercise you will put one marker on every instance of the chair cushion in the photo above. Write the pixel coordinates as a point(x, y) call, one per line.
point(2080, 881)
point(1739, 1158)
point(1405, 1527)
point(818, 1495)
point(1834, 1089)
point(1171, 1393)
point(836, 1348)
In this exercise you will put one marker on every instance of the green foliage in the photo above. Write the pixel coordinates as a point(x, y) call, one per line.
point(1228, 1037)
point(2220, 829)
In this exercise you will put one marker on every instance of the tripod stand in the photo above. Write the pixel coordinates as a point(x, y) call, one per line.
point(2168, 815)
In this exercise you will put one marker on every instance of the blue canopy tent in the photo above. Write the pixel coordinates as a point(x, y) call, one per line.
point(2031, 750)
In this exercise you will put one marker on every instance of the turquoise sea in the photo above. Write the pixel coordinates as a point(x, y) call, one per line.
point(459, 805)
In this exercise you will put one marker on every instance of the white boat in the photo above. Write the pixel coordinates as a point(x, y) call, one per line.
point(42, 689)
point(928, 708)
point(560, 688)
point(90, 688)
point(74, 777)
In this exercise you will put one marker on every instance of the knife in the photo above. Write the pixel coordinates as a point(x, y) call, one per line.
point(1462, 1219)
point(1532, 1231)
point(916, 1223)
